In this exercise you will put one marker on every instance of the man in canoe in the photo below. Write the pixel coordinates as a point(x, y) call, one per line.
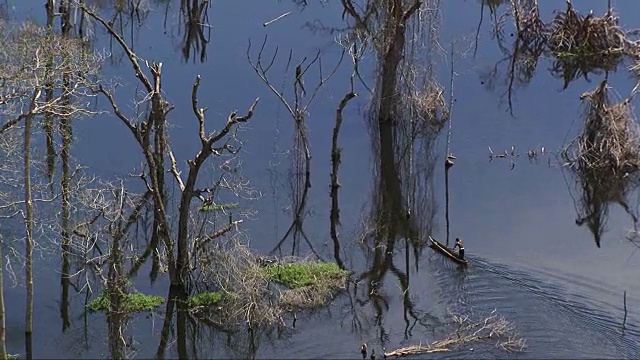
point(461, 247)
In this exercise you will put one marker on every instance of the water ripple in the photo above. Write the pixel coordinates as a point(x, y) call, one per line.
point(555, 323)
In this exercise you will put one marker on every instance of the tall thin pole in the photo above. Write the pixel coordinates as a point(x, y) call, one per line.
point(448, 157)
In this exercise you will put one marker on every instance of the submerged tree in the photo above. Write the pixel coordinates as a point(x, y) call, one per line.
point(10, 160)
point(151, 135)
point(336, 156)
point(34, 61)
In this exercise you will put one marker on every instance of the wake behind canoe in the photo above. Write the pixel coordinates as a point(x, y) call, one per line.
point(441, 248)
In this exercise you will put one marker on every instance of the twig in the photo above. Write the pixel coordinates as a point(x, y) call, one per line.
point(174, 169)
point(216, 234)
point(276, 19)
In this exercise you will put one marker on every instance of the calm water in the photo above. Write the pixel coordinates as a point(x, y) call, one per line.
point(530, 261)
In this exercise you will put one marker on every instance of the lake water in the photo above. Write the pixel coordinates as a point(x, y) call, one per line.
point(529, 260)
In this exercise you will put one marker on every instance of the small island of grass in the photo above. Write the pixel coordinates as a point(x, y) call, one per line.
point(205, 299)
point(133, 302)
point(301, 274)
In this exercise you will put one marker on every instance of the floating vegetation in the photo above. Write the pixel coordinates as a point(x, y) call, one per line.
point(584, 44)
point(532, 31)
point(310, 284)
point(306, 273)
point(133, 302)
point(209, 298)
point(605, 158)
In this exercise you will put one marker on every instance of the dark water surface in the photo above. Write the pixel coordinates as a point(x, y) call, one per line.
point(530, 261)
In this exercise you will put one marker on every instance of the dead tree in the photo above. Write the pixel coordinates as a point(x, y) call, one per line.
point(112, 211)
point(36, 60)
point(150, 134)
point(297, 108)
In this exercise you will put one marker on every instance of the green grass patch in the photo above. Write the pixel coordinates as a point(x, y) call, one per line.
point(133, 302)
point(218, 207)
point(298, 275)
point(205, 299)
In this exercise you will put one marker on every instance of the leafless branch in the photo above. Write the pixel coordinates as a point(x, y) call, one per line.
point(133, 58)
point(174, 170)
point(216, 234)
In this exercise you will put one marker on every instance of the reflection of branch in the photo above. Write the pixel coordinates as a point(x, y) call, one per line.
point(475, 49)
point(195, 14)
point(335, 165)
point(411, 10)
point(133, 58)
point(297, 110)
point(133, 217)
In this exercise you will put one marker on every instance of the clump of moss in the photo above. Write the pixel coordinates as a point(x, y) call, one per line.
point(134, 302)
point(298, 275)
point(205, 299)
point(311, 284)
point(217, 207)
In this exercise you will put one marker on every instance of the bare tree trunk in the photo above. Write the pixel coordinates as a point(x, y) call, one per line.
point(165, 333)
point(387, 116)
point(66, 136)
point(48, 94)
point(115, 288)
point(29, 230)
point(115, 316)
point(335, 185)
point(182, 312)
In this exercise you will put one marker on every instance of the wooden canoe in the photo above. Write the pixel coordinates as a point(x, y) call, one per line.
point(449, 253)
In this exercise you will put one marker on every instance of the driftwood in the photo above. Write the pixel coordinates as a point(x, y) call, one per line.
point(492, 327)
